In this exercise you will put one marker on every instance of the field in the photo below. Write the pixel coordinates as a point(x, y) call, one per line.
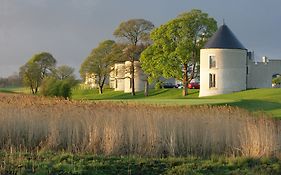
point(147, 135)
point(164, 133)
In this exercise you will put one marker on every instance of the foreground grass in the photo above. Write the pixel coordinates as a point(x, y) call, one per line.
point(68, 163)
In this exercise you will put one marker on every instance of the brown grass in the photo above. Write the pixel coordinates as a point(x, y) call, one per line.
point(37, 123)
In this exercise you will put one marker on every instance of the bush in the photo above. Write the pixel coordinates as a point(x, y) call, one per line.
point(57, 88)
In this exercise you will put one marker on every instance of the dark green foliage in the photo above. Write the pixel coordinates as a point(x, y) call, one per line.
point(57, 88)
point(36, 69)
point(68, 163)
point(176, 47)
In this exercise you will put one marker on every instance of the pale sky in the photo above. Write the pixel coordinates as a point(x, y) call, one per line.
point(70, 29)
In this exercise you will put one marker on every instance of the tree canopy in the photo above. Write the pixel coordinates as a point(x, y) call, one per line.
point(136, 33)
point(176, 46)
point(99, 62)
point(36, 69)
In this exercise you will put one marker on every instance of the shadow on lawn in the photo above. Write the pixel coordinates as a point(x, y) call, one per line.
point(256, 105)
point(7, 91)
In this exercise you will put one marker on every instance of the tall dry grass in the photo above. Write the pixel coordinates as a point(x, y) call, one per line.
point(37, 123)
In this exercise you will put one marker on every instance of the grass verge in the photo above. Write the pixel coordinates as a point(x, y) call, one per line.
point(68, 163)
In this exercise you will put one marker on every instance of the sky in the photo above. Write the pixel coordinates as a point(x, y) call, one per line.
point(70, 29)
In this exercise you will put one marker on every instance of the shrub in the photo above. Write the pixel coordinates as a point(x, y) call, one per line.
point(58, 88)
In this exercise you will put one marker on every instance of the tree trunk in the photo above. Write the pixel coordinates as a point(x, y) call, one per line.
point(145, 88)
point(32, 90)
point(100, 89)
point(184, 90)
point(133, 78)
point(101, 83)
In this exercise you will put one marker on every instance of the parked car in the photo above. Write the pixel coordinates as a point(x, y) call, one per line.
point(169, 85)
point(194, 85)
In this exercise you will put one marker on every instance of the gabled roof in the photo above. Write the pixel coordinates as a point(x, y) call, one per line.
point(224, 39)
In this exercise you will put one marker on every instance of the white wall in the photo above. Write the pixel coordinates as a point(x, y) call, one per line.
point(139, 77)
point(260, 73)
point(230, 71)
point(117, 77)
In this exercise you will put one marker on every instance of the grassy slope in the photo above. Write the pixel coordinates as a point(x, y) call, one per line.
point(265, 100)
point(162, 96)
point(67, 163)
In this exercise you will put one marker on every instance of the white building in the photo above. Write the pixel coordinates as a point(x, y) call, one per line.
point(226, 66)
point(120, 77)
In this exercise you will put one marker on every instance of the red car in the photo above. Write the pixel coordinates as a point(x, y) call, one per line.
point(194, 85)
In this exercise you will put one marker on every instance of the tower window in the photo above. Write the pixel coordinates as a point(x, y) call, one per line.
point(212, 80)
point(212, 62)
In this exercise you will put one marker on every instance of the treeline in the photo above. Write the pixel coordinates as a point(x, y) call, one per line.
point(10, 81)
point(171, 50)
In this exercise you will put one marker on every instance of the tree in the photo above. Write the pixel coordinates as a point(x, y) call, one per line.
point(135, 32)
point(59, 83)
point(176, 46)
point(53, 87)
point(36, 69)
point(99, 62)
point(64, 72)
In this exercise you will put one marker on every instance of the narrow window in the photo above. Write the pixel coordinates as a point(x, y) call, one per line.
point(116, 84)
point(212, 62)
point(212, 80)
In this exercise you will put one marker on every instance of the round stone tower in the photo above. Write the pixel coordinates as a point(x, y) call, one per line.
point(222, 64)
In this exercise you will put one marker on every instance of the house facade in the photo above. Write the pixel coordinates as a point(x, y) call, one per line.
point(120, 77)
point(226, 66)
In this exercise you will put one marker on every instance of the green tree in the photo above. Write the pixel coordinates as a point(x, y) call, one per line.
point(53, 87)
point(135, 33)
point(64, 72)
point(36, 69)
point(176, 46)
point(99, 62)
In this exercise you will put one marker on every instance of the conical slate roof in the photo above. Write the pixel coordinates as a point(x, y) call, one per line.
point(224, 39)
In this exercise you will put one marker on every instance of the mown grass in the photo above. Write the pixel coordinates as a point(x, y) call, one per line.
point(69, 163)
point(256, 100)
point(266, 100)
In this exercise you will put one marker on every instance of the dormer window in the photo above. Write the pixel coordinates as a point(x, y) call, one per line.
point(212, 62)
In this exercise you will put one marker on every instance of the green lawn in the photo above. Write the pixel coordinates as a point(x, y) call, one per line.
point(256, 100)
point(266, 100)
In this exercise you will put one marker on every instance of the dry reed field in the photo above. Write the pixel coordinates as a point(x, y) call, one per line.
point(29, 123)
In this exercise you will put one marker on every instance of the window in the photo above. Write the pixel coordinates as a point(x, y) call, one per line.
point(212, 62)
point(212, 80)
